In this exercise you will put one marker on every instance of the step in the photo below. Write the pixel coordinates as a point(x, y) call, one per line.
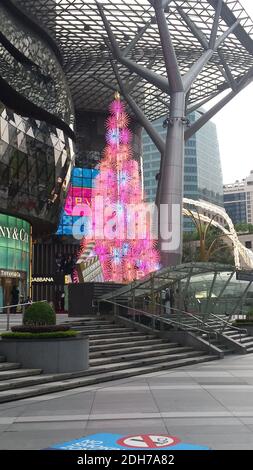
point(101, 345)
point(38, 378)
point(9, 366)
point(246, 340)
point(98, 327)
point(90, 323)
point(18, 373)
point(121, 357)
point(105, 331)
point(118, 334)
point(119, 338)
point(105, 368)
point(42, 389)
point(236, 336)
point(141, 361)
point(17, 382)
point(131, 349)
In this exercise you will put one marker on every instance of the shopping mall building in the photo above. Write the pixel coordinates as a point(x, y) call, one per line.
point(56, 82)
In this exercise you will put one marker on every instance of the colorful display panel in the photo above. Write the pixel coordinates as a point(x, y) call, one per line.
point(78, 202)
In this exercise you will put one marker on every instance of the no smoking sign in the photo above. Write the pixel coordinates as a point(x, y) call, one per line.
point(108, 441)
point(148, 441)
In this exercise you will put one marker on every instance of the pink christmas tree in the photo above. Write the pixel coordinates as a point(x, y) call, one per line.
point(123, 258)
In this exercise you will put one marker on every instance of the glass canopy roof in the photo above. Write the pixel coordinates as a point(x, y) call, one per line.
point(80, 34)
point(167, 277)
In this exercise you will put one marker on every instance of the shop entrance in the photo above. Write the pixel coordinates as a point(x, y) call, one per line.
point(7, 285)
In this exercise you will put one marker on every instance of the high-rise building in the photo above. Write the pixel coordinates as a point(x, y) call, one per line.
point(202, 166)
point(238, 200)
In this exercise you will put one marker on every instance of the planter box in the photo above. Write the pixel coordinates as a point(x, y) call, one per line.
point(56, 355)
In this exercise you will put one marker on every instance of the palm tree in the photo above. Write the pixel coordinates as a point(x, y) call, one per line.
point(210, 243)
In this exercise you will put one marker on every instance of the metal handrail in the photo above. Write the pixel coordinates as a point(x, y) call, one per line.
point(227, 323)
point(8, 307)
point(183, 312)
point(215, 331)
point(165, 320)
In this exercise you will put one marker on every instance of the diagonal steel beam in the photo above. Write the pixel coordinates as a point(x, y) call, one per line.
point(230, 78)
point(196, 68)
point(193, 73)
point(201, 103)
point(164, 3)
point(196, 31)
point(224, 36)
point(154, 135)
point(158, 80)
point(170, 59)
point(228, 16)
point(214, 31)
point(135, 40)
point(217, 107)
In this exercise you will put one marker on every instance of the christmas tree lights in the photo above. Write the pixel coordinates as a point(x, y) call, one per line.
point(123, 258)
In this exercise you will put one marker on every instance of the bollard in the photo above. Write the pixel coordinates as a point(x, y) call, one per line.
point(8, 319)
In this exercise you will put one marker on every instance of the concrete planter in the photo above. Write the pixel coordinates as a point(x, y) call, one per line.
point(56, 355)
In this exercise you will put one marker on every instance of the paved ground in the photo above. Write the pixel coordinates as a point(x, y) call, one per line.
point(210, 404)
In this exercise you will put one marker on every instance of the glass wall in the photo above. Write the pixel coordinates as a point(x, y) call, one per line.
point(15, 251)
point(35, 167)
point(202, 166)
point(31, 69)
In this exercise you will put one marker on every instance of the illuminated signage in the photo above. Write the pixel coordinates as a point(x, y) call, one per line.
point(78, 201)
point(14, 233)
point(43, 279)
point(13, 274)
point(14, 246)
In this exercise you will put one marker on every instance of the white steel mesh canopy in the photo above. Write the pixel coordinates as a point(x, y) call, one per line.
point(80, 34)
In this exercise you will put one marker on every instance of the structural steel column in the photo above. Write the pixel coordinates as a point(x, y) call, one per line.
point(177, 86)
point(171, 185)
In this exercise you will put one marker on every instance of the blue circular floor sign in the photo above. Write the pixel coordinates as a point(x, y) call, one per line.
point(108, 441)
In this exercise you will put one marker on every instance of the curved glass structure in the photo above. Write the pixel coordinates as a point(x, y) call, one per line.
point(32, 80)
point(35, 167)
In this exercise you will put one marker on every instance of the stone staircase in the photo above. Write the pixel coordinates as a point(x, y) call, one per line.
point(242, 338)
point(116, 352)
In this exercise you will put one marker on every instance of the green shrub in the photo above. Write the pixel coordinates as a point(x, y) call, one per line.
point(39, 329)
point(39, 313)
point(59, 334)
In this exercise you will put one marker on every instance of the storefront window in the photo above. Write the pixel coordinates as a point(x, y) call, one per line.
point(14, 258)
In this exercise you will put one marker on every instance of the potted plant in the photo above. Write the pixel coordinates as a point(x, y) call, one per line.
point(40, 343)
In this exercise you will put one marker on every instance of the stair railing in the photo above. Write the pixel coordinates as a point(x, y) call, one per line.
point(136, 314)
point(180, 314)
point(227, 323)
point(8, 309)
point(206, 323)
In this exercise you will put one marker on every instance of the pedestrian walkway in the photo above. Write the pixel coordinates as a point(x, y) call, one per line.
point(207, 404)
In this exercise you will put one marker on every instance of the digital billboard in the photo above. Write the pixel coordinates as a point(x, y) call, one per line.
point(79, 195)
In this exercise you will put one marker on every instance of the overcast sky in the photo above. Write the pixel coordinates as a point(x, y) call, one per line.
point(235, 130)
